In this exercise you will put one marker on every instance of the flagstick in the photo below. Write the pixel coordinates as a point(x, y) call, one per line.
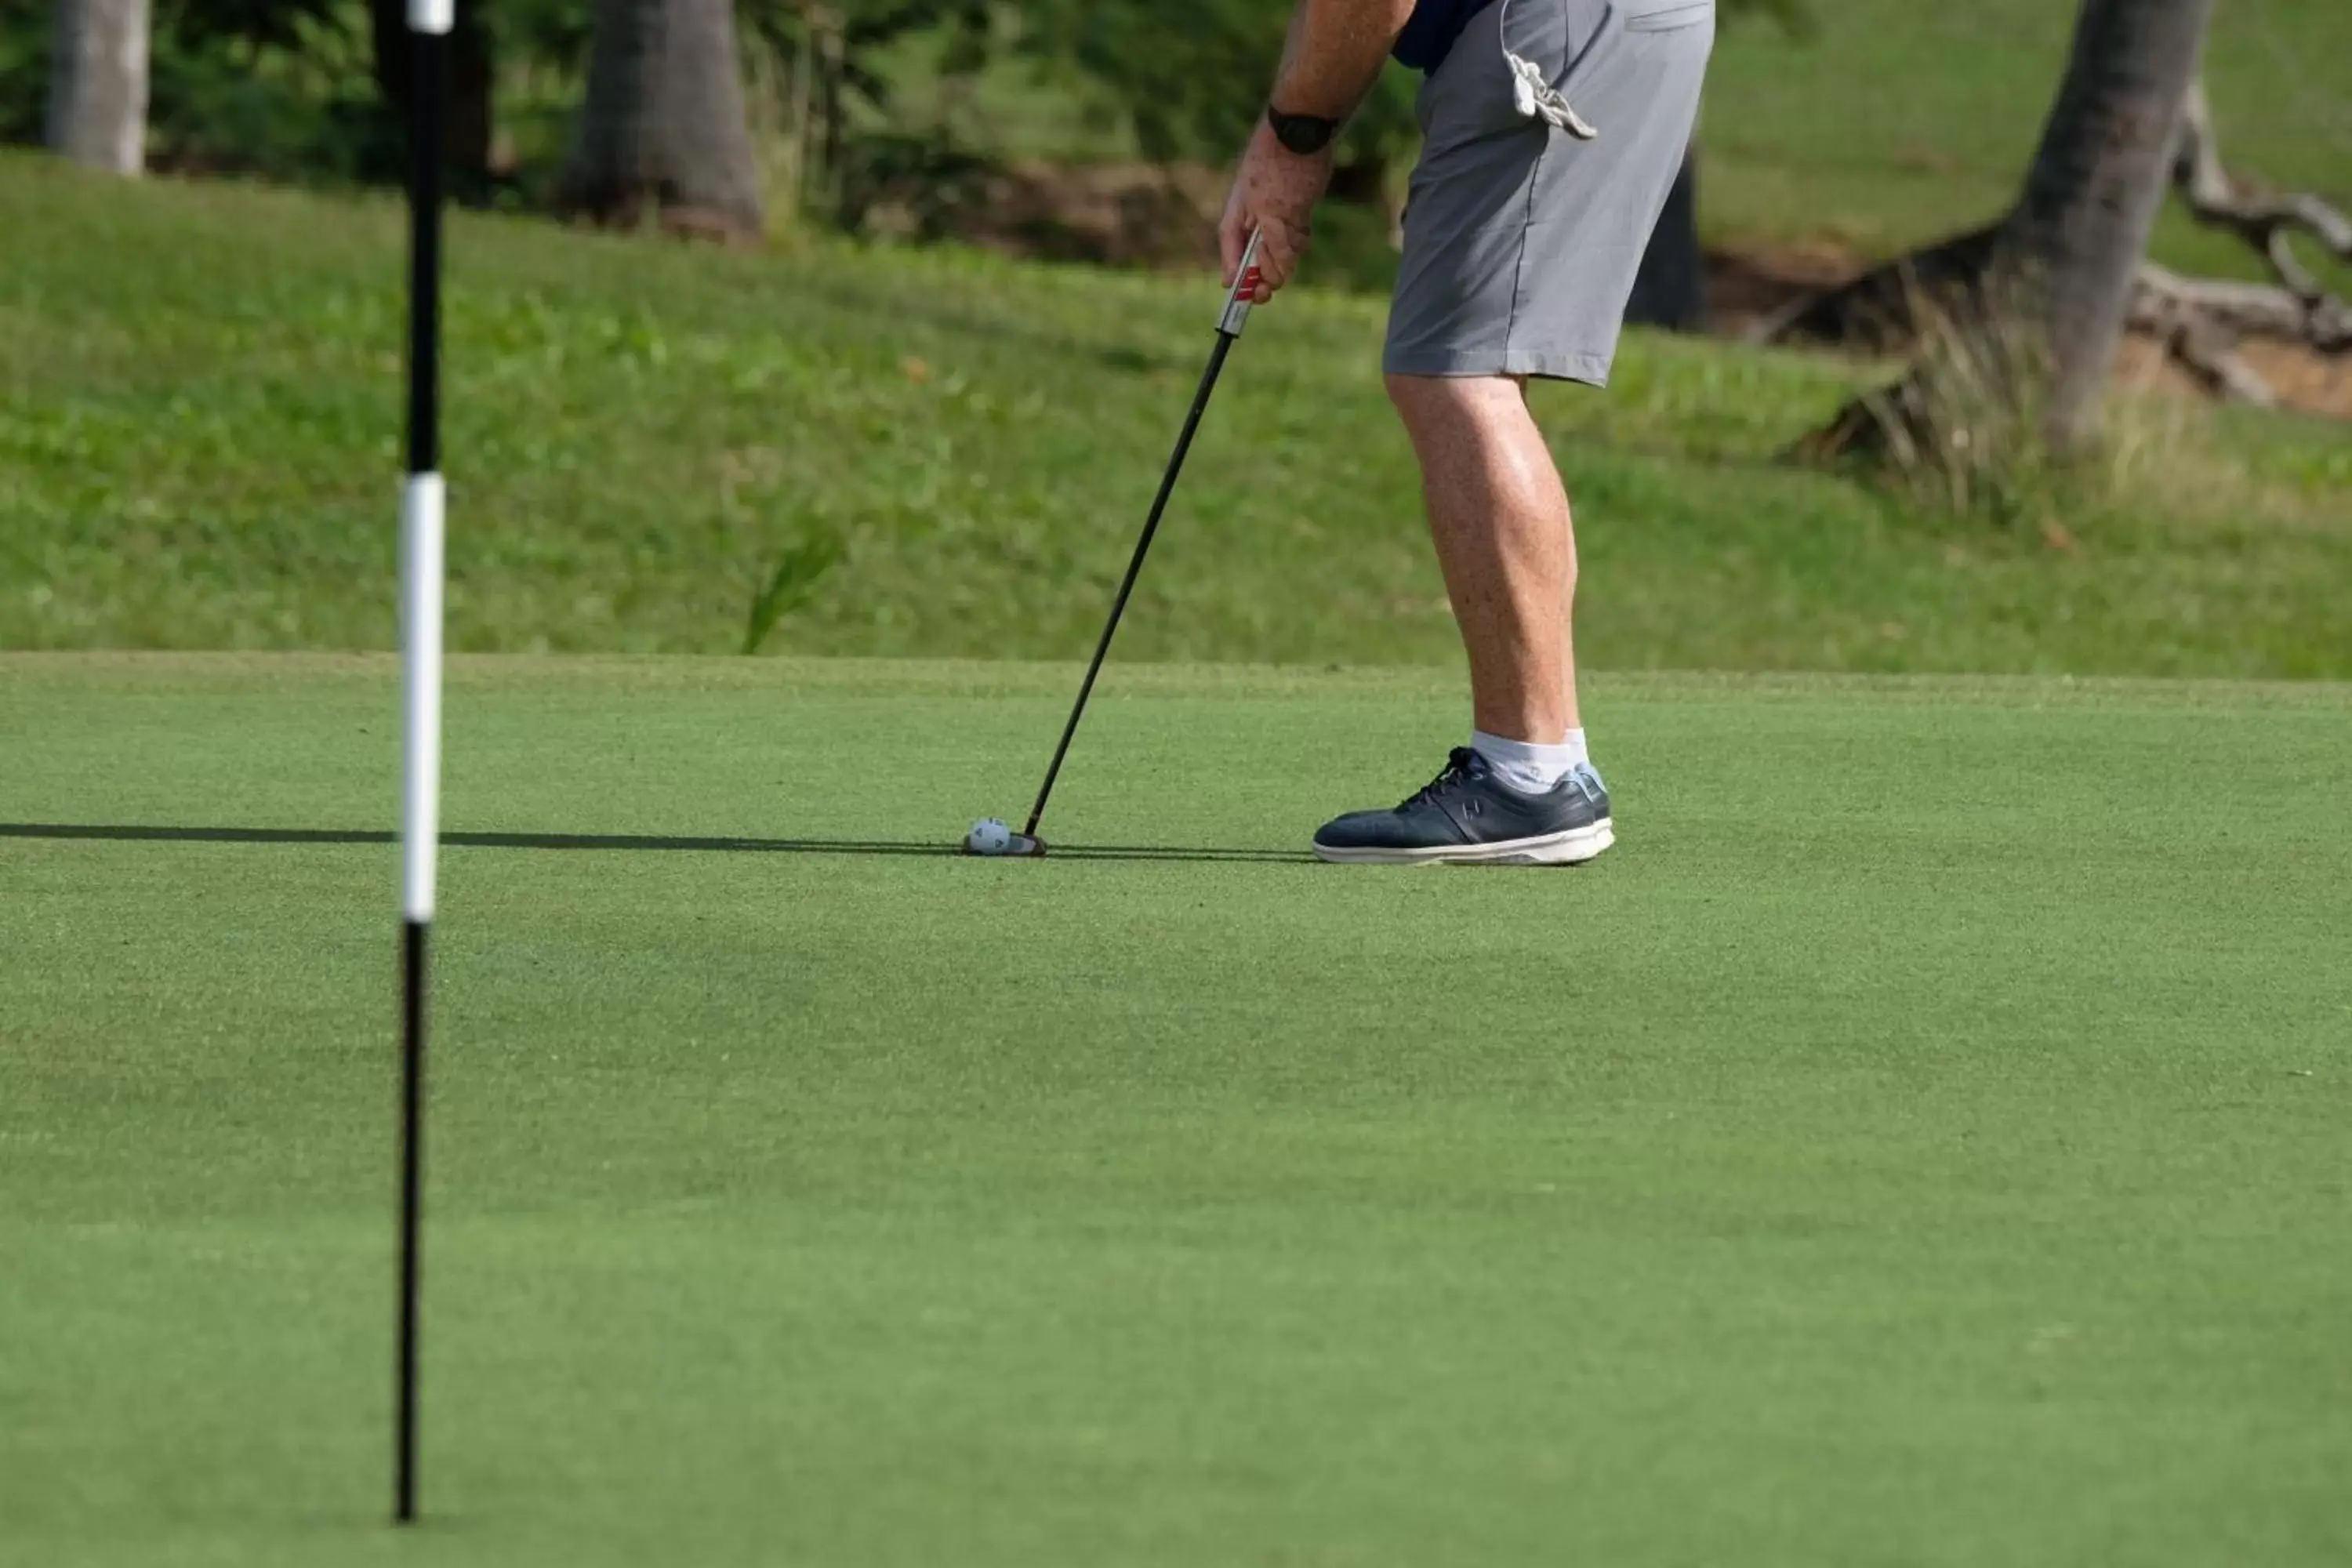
point(421, 568)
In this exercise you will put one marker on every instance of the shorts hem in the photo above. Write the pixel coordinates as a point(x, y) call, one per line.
point(1591, 370)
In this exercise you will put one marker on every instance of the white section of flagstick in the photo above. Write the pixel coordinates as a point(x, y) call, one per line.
point(421, 566)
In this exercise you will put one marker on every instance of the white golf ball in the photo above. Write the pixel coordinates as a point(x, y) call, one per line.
point(989, 838)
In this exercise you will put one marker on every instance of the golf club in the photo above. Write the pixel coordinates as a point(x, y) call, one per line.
point(995, 839)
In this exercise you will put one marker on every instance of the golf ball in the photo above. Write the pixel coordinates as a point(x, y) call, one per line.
point(989, 838)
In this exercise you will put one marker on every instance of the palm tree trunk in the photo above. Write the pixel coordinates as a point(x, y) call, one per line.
point(2031, 310)
point(664, 128)
point(2096, 182)
point(98, 84)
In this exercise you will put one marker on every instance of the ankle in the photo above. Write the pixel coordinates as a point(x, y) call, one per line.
point(1528, 766)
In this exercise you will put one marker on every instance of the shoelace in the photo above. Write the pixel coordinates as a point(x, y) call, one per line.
point(1460, 764)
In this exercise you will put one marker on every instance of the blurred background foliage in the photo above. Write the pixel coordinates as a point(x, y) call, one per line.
point(1093, 129)
point(854, 96)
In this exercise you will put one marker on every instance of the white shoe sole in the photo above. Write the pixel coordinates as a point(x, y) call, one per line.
point(1573, 847)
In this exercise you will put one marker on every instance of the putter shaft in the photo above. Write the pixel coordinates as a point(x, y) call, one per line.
point(1229, 331)
point(1134, 571)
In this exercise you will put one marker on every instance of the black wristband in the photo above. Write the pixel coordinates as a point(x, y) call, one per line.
point(1305, 134)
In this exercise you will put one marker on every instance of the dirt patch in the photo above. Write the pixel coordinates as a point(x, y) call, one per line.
point(1748, 286)
point(2312, 382)
point(1114, 215)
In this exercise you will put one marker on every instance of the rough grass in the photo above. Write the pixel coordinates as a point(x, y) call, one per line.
point(1921, 1142)
point(200, 400)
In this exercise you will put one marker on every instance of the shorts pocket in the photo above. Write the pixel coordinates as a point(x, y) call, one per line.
point(1468, 98)
point(1667, 18)
point(1559, 36)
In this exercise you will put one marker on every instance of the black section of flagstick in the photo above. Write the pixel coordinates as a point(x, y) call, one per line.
point(427, 90)
point(1134, 570)
point(412, 1192)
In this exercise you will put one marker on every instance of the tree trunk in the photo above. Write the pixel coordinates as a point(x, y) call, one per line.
point(470, 124)
point(98, 84)
point(2091, 195)
point(2024, 319)
point(1670, 290)
point(2200, 322)
point(664, 127)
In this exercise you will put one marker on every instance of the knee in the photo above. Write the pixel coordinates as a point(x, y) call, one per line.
point(1415, 395)
point(1460, 395)
point(1405, 391)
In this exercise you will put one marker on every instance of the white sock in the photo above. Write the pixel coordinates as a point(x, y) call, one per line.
point(1527, 767)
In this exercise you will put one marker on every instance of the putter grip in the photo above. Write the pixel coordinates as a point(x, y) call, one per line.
point(1245, 290)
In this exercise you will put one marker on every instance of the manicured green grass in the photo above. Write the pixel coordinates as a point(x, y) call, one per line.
point(1921, 1142)
point(200, 400)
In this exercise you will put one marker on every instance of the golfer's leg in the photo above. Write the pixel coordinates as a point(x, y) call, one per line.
point(1521, 792)
point(1516, 263)
point(1500, 520)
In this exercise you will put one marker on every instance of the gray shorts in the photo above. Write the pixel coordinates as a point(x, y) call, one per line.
point(1521, 241)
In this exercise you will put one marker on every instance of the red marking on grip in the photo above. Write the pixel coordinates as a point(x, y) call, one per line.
point(1250, 284)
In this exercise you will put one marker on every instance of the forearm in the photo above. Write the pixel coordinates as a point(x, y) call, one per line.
point(1335, 53)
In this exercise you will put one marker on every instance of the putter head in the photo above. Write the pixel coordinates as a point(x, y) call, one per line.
point(992, 840)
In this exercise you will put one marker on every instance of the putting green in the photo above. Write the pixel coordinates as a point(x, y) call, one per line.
point(1923, 1140)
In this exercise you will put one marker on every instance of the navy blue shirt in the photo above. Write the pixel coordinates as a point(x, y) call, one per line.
point(1429, 37)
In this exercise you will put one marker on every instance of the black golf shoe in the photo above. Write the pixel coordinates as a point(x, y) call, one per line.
point(1468, 816)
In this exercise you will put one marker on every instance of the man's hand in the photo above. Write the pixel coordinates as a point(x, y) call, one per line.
point(1274, 193)
point(1334, 55)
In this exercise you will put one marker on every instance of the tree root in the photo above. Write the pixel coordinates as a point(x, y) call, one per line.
point(2200, 321)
